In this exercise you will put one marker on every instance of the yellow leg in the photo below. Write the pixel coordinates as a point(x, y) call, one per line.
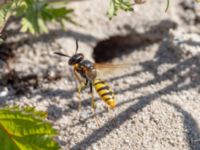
point(93, 105)
point(92, 96)
point(80, 87)
point(79, 97)
point(93, 102)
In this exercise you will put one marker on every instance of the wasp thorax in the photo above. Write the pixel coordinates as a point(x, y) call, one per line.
point(77, 58)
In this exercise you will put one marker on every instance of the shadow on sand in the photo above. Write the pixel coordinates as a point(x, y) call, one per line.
point(163, 56)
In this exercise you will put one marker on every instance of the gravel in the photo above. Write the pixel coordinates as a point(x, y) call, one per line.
point(157, 94)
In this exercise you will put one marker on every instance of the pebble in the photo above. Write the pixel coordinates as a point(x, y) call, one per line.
point(3, 92)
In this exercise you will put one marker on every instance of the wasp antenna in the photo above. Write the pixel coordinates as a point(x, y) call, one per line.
point(76, 46)
point(61, 54)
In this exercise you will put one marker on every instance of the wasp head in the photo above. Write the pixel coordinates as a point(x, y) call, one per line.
point(76, 58)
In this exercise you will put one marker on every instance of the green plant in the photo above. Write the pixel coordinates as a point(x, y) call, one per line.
point(25, 129)
point(126, 5)
point(116, 5)
point(167, 6)
point(35, 14)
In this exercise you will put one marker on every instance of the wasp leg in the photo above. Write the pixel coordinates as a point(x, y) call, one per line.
point(94, 105)
point(76, 76)
point(79, 97)
point(92, 95)
point(80, 87)
point(70, 76)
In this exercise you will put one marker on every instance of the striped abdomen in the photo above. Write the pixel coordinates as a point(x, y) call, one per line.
point(105, 92)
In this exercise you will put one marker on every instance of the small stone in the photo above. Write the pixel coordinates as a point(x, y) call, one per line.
point(4, 92)
point(84, 115)
point(94, 147)
point(91, 125)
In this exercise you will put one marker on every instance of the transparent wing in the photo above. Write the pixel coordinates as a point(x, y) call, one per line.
point(108, 70)
point(109, 65)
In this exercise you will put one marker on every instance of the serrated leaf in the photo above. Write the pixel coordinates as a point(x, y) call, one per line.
point(111, 10)
point(60, 15)
point(4, 12)
point(29, 110)
point(23, 130)
point(116, 5)
point(27, 26)
point(35, 14)
point(42, 26)
point(57, 13)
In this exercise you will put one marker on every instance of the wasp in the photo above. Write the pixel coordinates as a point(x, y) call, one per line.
point(83, 68)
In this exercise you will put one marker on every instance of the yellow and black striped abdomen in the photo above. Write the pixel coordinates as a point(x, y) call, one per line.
point(105, 92)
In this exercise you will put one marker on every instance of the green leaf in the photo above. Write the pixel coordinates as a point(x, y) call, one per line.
point(37, 13)
point(4, 12)
point(42, 26)
point(56, 13)
point(27, 26)
point(1, 41)
point(168, 2)
point(116, 5)
point(31, 110)
point(25, 130)
point(111, 10)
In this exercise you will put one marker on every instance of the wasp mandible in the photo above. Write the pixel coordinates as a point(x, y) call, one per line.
point(87, 70)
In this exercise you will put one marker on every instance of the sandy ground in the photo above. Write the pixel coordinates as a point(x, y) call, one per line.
point(157, 93)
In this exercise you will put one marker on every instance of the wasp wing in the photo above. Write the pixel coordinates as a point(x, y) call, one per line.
point(108, 70)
